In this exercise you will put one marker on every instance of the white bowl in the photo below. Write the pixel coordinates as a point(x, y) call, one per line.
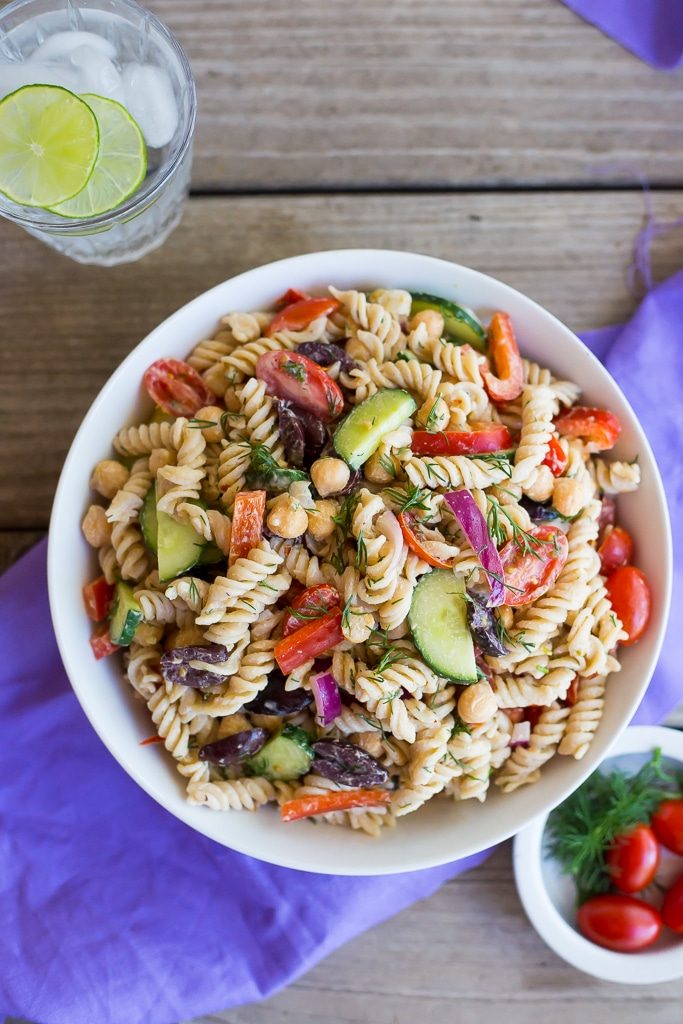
point(549, 896)
point(441, 831)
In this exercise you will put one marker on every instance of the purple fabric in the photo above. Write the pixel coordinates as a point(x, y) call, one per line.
point(113, 911)
point(652, 29)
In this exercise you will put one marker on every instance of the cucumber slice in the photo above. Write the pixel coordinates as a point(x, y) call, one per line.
point(461, 325)
point(286, 756)
point(210, 555)
point(438, 620)
point(148, 519)
point(360, 433)
point(125, 615)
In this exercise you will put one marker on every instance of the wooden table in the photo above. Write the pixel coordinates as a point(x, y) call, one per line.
point(505, 134)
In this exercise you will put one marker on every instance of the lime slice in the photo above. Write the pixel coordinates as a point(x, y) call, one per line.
point(120, 167)
point(49, 142)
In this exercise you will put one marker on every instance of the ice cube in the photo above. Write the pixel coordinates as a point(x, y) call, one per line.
point(96, 73)
point(61, 44)
point(150, 100)
point(15, 76)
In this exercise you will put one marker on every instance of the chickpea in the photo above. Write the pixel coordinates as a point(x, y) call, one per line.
point(231, 724)
point(148, 634)
point(376, 468)
point(96, 529)
point(321, 525)
point(211, 413)
point(329, 476)
point(214, 378)
point(568, 496)
point(432, 320)
point(357, 625)
point(433, 415)
point(287, 517)
point(159, 457)
point(371, 742)
point(232, 402)
point(108, 477)
point(477, 703)
point(542, 487)
point(188, 636)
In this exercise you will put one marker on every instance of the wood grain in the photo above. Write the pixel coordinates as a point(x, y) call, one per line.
point(419, 92)
point(570, 251)
point(467, 955)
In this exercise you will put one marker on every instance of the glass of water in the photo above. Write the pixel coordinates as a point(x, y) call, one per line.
point(119, 50)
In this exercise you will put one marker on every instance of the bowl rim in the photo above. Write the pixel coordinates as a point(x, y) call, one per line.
point(306, 263)
point(650, 966)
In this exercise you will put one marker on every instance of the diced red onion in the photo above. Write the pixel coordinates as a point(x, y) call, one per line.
point(474, 527)
point(521, 734)
point(328, 703)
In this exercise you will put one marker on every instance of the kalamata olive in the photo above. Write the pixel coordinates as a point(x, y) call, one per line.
point(275, 700)
point(347, 764)
point(291, 433)
point(232, 749)
point(176, 667)
point(325, 354)
point(483, 625)
point(538, 512)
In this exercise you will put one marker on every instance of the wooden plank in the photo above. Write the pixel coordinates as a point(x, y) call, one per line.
point(467, 954)
point(419, 92)
point(569, 251)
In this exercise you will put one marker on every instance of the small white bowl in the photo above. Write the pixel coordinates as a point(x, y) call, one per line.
point(442, 831)
point(548, 896)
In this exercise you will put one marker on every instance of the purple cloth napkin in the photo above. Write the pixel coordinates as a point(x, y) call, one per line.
point(113, 911)
point(652, 29)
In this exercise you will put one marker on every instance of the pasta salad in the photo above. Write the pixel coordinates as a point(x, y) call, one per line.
point(363, 554)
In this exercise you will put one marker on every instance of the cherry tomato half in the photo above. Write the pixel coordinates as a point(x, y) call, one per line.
point(529, 574)
point(506, 384)
point(409, 529)
point(572, 693)
point(300, 314)
point(311, 604)
point(672, 908)
point(297, 378)
point(556, 458)
point(633, 858)
point(619, 922)
point(176, 387)
point(494, 438)
point(599, 427)
point(667, 823)
point(616, 549)
point(631, 599)
point(289, 297)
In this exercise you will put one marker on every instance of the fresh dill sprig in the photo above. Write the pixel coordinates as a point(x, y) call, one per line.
point(308, 612)
point(581, 830)
point(431, 415)
point(199, 424)
point(508, 640)
point(296, 370)
point(390, 654)
point(388, 464)
point(413, 498)
point(345, 619)
point(361, 551)
point(390, 697)
point(193, 592)
point(498, 460)
point(526, 541)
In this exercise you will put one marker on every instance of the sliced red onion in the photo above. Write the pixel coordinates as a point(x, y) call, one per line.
point(521, 734)
point(328, 703)
point(474, 527)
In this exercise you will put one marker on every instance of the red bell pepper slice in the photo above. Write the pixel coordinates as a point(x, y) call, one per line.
point(407, 523)
point(311, 640)
point(102, 644)
point(506, 384)
point(556, 459)
point(247, 523)
point(599, 427)
point(344, 800)
point(97, 597)
point(289, 297)
point(299, 315)
point(479, 440)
